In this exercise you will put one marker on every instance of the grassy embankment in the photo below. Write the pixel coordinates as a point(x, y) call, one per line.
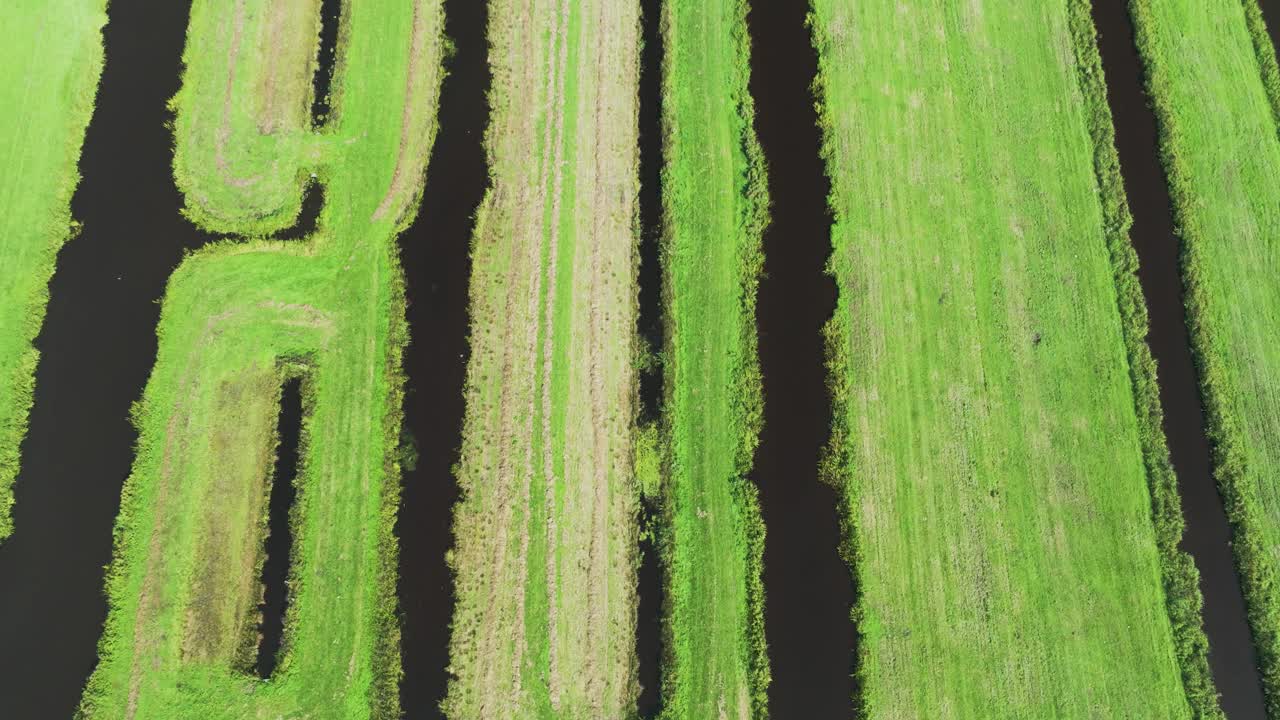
point(237, 319)
point(546, 532)
point(52, 57)
point(1211, 72)
point(712, 536)
point(996, 436)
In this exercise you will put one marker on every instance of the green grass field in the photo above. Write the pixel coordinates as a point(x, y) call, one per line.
point(1211, 71)
point(52, 58)
point(546, 532)
point(238, 318)
point(714, 201)
point(996, 431)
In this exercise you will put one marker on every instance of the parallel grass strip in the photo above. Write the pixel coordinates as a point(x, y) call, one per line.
point(546, 532)
point(715, 209)
point(998, 515)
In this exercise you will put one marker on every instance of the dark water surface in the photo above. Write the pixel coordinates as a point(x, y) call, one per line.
point(279, 545)
point(808, 587)
point(322, 80)
point(1208, 535)
point(435, 252)
point(650, 328)
point(98, 344)
point(1271, 12)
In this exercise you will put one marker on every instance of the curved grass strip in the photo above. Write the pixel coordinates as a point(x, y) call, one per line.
point(997, 508)
point(1211, 74)
point(238, 318)
point(715, 209)
point(52, 59)
point(546, 532)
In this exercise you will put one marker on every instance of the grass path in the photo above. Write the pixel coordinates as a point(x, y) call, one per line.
point(714, 212)
point(1211, 71)
point(998, 511)
point(546, 533)
point(52, 59)
point(238, 319)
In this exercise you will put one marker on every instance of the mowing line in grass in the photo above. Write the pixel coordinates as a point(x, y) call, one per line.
point(715, 208)
point(998, 513)
point(1211, 72)
point(238, 318)
point(546, 532)
point(52, 60)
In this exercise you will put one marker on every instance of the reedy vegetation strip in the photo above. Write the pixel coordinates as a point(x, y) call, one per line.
point(1211, 74)
point(240, 316)
point(1178, 570)
point(715, 209)
point(995, 505)
point(52, 59)
point(546, 532)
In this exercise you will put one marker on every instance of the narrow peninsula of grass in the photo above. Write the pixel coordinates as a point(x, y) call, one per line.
point(985, 367)
point(239, 318)
point(546, 533)
point(715, 208)
point(1211, 73)
point(52, 58)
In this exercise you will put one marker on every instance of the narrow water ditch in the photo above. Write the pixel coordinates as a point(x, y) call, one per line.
point(650, 329)
point(435, 253)
point(326, 56)
point(98, 344)
point(1208, 535)
point(808, 586)
point(279, 544)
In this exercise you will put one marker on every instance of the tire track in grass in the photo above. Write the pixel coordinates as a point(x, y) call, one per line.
point(545, 529)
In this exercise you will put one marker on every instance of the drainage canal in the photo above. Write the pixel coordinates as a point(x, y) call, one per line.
point(650, 329)
point(437, 265)
point(1207, 536)
point(279, 545)
point(98, 344)
point(808, 585)
point(330, 17)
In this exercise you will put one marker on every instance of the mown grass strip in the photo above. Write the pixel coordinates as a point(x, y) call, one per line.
point(52, 62)
point(998, 515)
point(715, 209)
point(546, 532)
point(1211, 73)
point(241, 316)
